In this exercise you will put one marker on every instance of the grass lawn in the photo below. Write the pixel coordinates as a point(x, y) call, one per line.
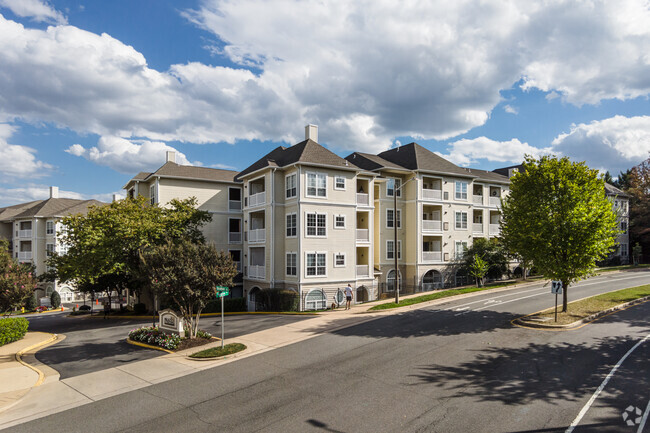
point(437, 295)
point(622, 268)
point(217, 352)
point(586, 307)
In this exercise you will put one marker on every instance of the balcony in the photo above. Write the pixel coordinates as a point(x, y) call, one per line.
point(431, 194)
point(25, 255)
point(495, 229)
point(257, 272)
point(363, 235)
point(431, 256)
point(477, 199)
point(234, 205)
point(257, 235)
point(477, 228)
point(363, 199)
point(495, 201)
point(363, 270)
point(234, 237)
point(25, 234)
point(431, 226)
point(257, 199)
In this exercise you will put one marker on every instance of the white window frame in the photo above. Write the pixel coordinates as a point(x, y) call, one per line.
point(336, 226)
point(336, 256)
point(307, 226)
point(152, 194)
point(241, 258)
point(316, 255)
point(460, 195)
point(624, 227)
point(50, 249)
point(241, 230)
point(623, 250)
point(460, 212)
point(456, 249)
point(397, 185)
point(316, 187)
point(295, 264)
point(291, 192)
point(295, 225)
point(399, 218)
point(50, 227)
point(399, 249)
point(336, 183)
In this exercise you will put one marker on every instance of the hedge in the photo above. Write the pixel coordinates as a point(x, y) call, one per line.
point(12, 329)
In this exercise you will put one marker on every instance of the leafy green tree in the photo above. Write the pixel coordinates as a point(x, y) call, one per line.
point(558, 216)
point(623, 180)
point(639, 197)
point(607, 177)
point(637, 252)
point(492, 252)
point(17, 280)
point(31, 303)
point(187, 274)
point(478, 269)
point(55, 299)
point(103, 246)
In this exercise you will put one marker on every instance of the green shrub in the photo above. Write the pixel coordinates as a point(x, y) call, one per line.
point(152, 335)
point(85, 308)
point(277, 300)
point(31, 303)
point(230, 305)
point(139, 308)
point(12, 329)
point(55, 299)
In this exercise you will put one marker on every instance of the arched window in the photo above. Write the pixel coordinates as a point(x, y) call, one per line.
point(362, 294)
point(432, 280)
point(315, 300)
point(390, 281)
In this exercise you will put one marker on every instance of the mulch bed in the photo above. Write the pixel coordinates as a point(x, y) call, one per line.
point(194, 342)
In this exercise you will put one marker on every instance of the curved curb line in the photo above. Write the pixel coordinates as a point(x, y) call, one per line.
point(148, 346)
point(233, 313)
point(19, 354)
point(520, 322)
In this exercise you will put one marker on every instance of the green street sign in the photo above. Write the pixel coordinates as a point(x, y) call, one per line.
point(222, 294)
point(222, 291)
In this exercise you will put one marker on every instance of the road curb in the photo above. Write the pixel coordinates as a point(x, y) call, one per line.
point(219, 358)
point(148, 346)
point(234, 313)
point(579, 323)
point(19, 354)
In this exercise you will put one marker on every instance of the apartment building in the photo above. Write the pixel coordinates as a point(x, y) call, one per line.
point(32, 231)
point(309, 224)
point(216, 191)
point(441, 208)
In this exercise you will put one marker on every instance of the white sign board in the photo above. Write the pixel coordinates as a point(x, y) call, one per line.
point(170, 321)
point(556, 287)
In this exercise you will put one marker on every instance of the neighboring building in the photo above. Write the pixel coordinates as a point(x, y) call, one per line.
point(620, 203)
point(216, 191)
point(32, 229)
point(441, 208)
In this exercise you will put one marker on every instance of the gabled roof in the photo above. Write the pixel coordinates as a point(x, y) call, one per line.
point(52, 207)
point(415, 157)
point(488, 176)
point(307, 151)
point(171, 169)
point(371, 162)
point(612, 190)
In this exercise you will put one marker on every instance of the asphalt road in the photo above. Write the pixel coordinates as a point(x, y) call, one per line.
point(94, 344)
point(456, 367)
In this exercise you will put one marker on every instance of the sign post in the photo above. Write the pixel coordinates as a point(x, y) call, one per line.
point(222, 292)
point(556, 288)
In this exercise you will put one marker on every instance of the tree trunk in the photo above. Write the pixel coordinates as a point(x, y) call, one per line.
point(565, 290)
point(524, 269)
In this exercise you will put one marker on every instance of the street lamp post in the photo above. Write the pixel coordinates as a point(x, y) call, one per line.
point(395, 250)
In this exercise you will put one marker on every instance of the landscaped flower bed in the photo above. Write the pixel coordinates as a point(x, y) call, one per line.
point(152, 335)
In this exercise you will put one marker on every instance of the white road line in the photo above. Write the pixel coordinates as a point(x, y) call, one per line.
point(644, 419)
point(584, 410)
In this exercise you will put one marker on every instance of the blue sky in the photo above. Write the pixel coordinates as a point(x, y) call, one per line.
point(91, 92)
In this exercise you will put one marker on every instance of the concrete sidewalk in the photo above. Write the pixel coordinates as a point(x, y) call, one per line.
point(58, 395)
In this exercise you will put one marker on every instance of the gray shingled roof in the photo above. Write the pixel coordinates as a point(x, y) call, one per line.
point(488, 175)
point(415, 157)
point(612, 190)
point(371, 162)
point(172, 169)
point(52, 207)
point(307, 151)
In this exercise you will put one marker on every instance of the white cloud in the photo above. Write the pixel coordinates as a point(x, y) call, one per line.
point(128, 156)
point(365, 71)
point(37, 10)
point(510, 109)
point(467, 151)
point(18, 161)
point(222, 166)
point(613, 144)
